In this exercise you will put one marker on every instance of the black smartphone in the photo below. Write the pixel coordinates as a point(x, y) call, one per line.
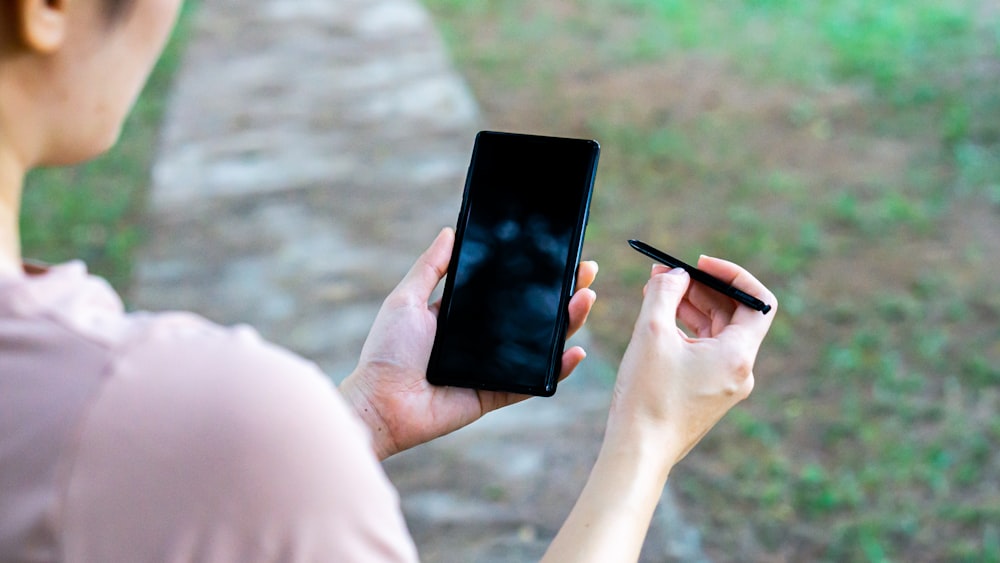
point(504, 310)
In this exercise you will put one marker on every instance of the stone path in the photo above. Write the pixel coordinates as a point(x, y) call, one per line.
point(311, 150)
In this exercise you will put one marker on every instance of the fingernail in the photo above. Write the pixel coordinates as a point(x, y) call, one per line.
point(677, 272)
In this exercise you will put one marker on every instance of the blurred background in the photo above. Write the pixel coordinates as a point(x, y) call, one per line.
point(845, 151)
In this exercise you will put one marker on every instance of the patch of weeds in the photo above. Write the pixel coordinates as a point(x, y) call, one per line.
point(817, 492)
point(867, 539)
point(979, 170)
point(644, 157)
point(690, 24)
point(756, 429)
point(886, 211)
point(784, 249)
point(957, 122)
point(980, 370)
point(889, 43)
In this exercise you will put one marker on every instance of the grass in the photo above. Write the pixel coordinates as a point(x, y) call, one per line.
point(848, 152)
point(93, 212)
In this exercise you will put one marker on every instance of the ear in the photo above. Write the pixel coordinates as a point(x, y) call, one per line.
point(42, 24)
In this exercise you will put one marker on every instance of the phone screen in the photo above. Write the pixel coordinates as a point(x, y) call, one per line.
point(503, 318)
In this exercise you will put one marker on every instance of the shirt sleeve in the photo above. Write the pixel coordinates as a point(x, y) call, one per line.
point(206, 444)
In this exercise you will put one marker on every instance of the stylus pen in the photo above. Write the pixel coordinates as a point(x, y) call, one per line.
point(701, 277)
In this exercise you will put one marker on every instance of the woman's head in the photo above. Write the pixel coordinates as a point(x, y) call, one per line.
point(70, 70)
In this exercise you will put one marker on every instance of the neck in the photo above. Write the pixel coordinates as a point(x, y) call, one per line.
point(11, 182)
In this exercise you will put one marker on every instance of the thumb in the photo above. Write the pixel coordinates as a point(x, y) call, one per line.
point(430, 267)
point(663, 293)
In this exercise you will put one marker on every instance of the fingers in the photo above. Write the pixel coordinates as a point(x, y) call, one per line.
point(757, 323)
point(710, 307)
point(493, 400)
point(583, 299)
point(735, 276)
point(579, 309)
point(663, 293)
point(706, 312)
point(430, 267)
point(697, 322)
point(570, 360)
point(586, 274)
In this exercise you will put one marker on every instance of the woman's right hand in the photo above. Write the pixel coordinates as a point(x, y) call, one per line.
point(672, 386)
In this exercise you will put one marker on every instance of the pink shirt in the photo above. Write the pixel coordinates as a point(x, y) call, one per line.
point(142, 437)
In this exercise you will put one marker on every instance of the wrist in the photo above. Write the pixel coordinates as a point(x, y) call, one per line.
point(653, 445)
point(358, 398)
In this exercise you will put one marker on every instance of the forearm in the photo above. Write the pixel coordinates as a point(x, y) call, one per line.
point(612, 515)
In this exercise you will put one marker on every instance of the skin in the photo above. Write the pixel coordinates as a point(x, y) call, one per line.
point(673, 386)
point(389, 388)
point(68, 77)
point(671, 389)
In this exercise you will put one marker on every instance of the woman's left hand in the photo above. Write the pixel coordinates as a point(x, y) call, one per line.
point(389, 388)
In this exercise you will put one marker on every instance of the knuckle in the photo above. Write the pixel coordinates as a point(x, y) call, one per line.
point(740, 388)
point(666, 282)
point(741, 371)
point(400, 299)
point(655, 325)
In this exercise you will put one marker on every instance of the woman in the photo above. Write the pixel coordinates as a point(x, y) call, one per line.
point(141, 437)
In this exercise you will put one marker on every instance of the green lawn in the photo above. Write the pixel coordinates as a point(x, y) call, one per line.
point(848, 152)
point(93, 211)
